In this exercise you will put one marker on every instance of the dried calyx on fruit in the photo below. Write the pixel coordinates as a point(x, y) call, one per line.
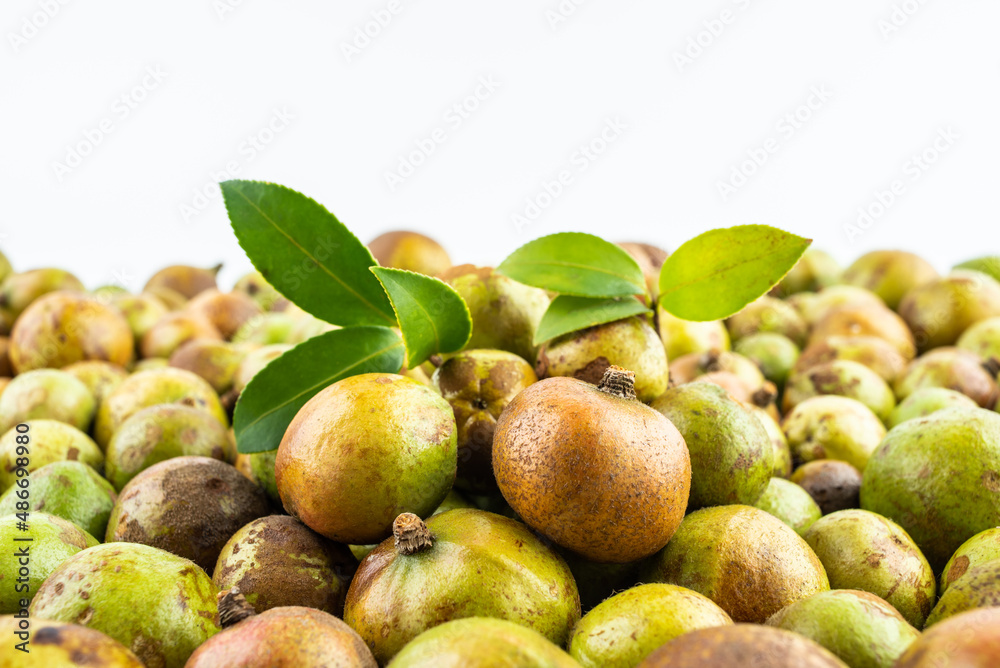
point(233, 607)
point(410, 535)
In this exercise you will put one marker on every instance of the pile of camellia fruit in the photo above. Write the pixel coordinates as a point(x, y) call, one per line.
point(594, 454)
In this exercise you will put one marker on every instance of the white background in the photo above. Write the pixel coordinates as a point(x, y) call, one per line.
point(897, 73)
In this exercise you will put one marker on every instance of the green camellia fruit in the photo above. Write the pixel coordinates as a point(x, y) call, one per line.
point(775, 354)
point(789, 503)
point(951, 368)
point(67, 489)
point(927, 400)
point(47, 394)
point(768, 314)
point(939, 311)
point(967, 639)
point(842, 378)
point(983, 547)
point(979, 587)
point(47, 441)
point(49, 644)
point(832, 427)
point(890, 274)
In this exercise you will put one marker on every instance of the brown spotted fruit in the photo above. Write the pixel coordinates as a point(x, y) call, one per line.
point(505, 313)
point(175, 329)
point(782, 453)
point(814, 306)
point(121, 589)
point(789, 503)
point(631, 343)
point(732, 456)
point(860, 628)
point(155, 386)
point(868, 320)
point(841, 378)
point(890, 274)
point(67, 489)
point(278, 561)
point(364, 450)
point(982, 338)
point(940, 311)
point(742, 645)
point(479, 384)
point(188, 506)
point(46, 394)
point(926, 400)
point(833, 427)
point(162, 432)
point(562, 431)
point(141, 311)
point(227, 311)
point(747, 561)
point(740, 376)
point(99, 377)
point(967, 640)
point(979, 587)
point(33, 553)
point(65, 327)
point(255, 286)
point(286, 636)
point(19, 291)
point(863, 550)
point(49, 644)
point(183, 279)
point(215, 361)
point(481, 642)
point(627, 627)
point(877, 354)
point(939, 478)
point(768, 314)
point(412, 251)
point(833, 484)
point(461, 563)
point(952, 368)
point(47, 441)
point(983, 547)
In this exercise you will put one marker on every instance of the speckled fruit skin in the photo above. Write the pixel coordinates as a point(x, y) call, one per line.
point(148, 388)
point(860, 628)
point(479, 384)
point(967, 640)
point(768, 314)
point(954, 369)
point(782, 453)
point(747, 561)
point(18, 291)
point(175, 329)
point(562, 431)
point(285, 637)
point(100, 377)
point(833, 427)
point(140, 311)
point(927, 400)
point(188, 506)
point(47, 394)
point(833, 484)
point(890, 274)
point(254, 285)
point(53, 540)
point(479, 642)
point(158, 605)
point(877, 354)
point(278, 561)
point(480, 565)
point(49, 441)
point(733, 646)
point(586, 355)
point(505, 313)
point(65, 327)
point(59, 645)
point(732, 457)
point(938, 312)
point(775, 354)
point(863, 550)
point(983, 547)
point(705, 366)
point(815, 270)
point(842, 378)
point(683, 337)
point(789, 503)
point(814, 306)
point(183, 279)
point(626, 628)
point(938, 477)
point(364, 450)
point(161, 432)
point(979, 587)
point(982, 338)
point(411, 251)
point(866, 321)
point(215, 361)
point(70, 490)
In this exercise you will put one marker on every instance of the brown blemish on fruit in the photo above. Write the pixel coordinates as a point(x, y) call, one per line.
point(991, 481)
point(958, 568)
point(593, 371)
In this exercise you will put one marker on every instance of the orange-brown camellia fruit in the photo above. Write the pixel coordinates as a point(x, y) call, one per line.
point(364, 450)
point(592, 468)
point(64, 327)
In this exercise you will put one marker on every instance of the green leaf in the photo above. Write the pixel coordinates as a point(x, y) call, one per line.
point(568, 313)
point(574, 263)
point(719, 272)
point(432, 316)
point(306, 253)
point(989, 265)
point(273, 397)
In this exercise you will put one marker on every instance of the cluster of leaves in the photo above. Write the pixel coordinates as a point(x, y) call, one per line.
point(392, 319)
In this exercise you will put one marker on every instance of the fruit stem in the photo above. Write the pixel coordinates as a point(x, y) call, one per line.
point(233, 607)
point(764, 396)
point(992, 366)
point(410, 534)
point(618, 381)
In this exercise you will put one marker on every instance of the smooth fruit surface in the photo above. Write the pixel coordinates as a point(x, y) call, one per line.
point(789, 503)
